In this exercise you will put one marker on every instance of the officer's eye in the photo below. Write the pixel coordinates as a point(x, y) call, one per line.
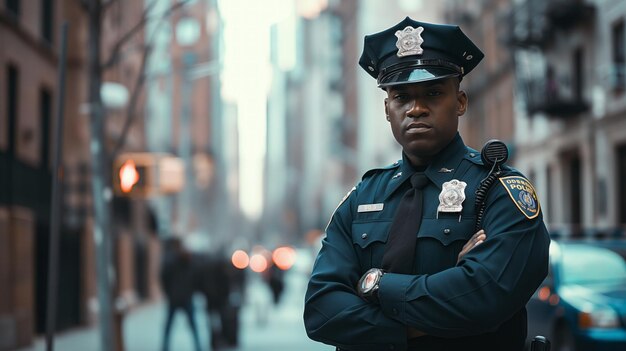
point(401, 97)
point(434, 92)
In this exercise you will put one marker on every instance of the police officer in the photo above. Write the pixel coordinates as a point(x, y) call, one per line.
point(400, 267)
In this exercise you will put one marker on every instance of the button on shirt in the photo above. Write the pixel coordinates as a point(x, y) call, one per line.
point(445, 300)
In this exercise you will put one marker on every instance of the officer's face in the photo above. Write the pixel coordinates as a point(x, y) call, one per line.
point(424, 117)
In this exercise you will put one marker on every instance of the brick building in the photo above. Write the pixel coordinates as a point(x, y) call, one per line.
point(491, 87)
point(29, 41)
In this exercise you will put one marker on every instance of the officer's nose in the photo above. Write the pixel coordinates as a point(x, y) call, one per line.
point(417, 109)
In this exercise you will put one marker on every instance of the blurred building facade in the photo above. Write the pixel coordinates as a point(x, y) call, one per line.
point(571, 112)
point(182, 113)
point(491, 86)
point(324, 138)
point(28, 88)
point(30, 36)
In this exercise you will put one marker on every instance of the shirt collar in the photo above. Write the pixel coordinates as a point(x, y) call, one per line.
point(442, 169)
point(446, 164)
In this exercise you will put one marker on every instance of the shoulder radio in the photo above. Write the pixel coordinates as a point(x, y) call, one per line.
point(494, 154)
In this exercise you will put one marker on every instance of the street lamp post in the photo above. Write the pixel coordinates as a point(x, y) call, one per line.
point(184, 140)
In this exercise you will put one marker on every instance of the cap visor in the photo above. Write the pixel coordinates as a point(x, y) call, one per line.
point(416, 75)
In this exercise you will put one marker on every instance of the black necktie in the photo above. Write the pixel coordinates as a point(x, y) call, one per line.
point(400, 250)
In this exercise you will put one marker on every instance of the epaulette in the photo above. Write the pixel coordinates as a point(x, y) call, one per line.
point(473, 156)
point(381, 169)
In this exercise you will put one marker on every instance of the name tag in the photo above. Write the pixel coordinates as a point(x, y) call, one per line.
point(370, 208)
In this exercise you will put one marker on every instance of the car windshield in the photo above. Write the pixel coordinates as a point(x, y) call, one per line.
point(583, 264)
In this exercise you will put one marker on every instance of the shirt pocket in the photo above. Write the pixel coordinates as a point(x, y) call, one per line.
point(440, 241)
point(369, 239)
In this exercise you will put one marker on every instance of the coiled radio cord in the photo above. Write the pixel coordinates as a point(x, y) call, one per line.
point(481, 195)
point(494, 154)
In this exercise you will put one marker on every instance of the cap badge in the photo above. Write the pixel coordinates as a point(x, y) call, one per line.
point(409, 41)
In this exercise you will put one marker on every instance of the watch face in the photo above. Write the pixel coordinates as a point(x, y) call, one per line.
point(369, 281)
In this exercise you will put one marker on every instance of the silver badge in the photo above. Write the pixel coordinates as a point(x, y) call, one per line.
point(452, 196)
point(409, 41)
point(445, 170)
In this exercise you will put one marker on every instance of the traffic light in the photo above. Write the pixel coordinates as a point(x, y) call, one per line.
point(145, 174)
point(130, 177)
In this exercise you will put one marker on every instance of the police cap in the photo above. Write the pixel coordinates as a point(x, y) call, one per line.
point(412, 52)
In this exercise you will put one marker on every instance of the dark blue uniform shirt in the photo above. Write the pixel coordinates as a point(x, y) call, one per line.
point(477, 302)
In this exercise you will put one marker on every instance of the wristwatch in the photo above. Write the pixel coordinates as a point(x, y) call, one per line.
point(368, 284)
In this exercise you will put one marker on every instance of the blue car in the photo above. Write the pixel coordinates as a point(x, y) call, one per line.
point(581, 305)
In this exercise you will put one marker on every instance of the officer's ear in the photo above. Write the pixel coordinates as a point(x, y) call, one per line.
point(461, 98)
point(387, 109)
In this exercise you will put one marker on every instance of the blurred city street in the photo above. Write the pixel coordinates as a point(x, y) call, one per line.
point(264, 327)
point(159, 152)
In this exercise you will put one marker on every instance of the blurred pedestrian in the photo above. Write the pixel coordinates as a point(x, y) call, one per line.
point(222, 285)
point(275, 279)
point(178, 280)
point(402, 265)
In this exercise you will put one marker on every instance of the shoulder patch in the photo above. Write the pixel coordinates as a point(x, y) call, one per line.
point(523, 195)
point(340, 203)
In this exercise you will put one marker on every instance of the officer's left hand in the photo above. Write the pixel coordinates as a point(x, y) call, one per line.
point(474, 241)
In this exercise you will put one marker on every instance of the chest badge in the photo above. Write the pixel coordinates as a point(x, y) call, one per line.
point(452, 196)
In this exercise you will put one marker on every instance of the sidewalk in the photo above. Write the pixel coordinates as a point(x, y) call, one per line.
point(264, 327)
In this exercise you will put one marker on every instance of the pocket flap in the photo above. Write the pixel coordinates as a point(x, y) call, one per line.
point(447, 230)
point(366, 233)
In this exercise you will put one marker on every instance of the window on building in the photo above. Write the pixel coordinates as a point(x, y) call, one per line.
point(13, 6)
point(578, 73)
point(45, 115)
point(621, 174)
point(47, 20)
point(12, 103)
point(576, 190)
point(618, 39)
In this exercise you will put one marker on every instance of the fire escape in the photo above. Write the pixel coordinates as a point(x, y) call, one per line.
point(554, 87)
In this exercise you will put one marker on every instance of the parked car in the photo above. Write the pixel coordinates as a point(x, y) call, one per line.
point(581, 305)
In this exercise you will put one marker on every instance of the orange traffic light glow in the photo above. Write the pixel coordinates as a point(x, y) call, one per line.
point(128, 176)
point(544, 293)
point(240, 259)
point(258, 263)
point(284, 257)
